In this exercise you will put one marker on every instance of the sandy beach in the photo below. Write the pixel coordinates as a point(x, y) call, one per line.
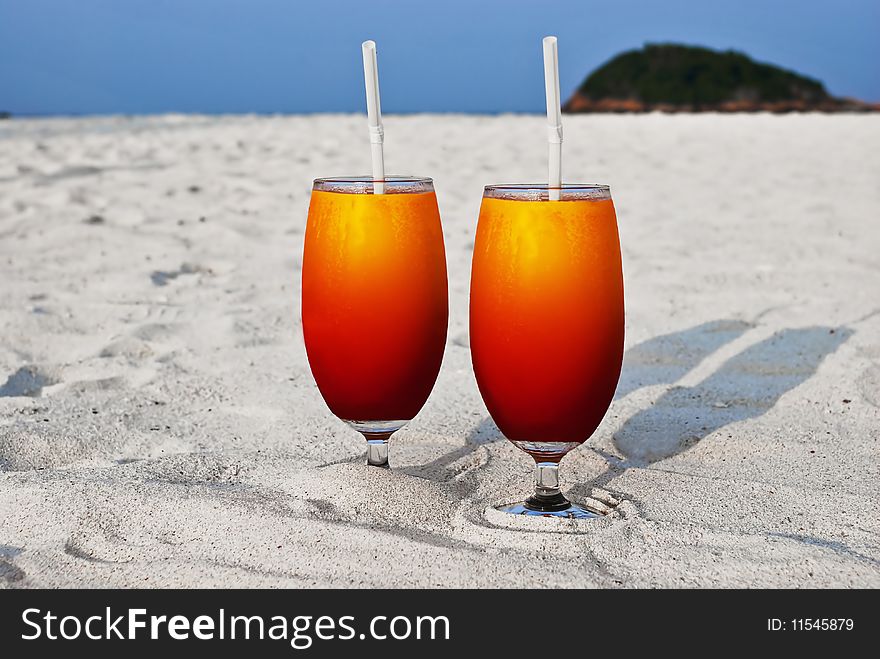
point(159, 425)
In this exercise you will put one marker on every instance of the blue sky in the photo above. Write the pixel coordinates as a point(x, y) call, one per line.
point(217, 56)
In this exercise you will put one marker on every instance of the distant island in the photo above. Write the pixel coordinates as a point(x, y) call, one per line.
point(678, 78)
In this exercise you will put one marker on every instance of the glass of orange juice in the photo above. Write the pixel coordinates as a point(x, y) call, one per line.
point(546, 323)
point(374, 301)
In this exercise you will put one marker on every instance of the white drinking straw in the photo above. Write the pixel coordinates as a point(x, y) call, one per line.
point(374, 115)
point(554, 116)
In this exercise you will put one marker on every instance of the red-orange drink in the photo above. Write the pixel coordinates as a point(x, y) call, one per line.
point(374, 299)
point(546, 313)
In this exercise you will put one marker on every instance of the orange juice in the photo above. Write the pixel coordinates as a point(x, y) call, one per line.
point(374, 301)
point(546, 316)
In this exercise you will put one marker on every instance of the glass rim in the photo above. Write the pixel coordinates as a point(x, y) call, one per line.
point(599, 187)
point(393, 185)
point(369, 179)
point(541, 191)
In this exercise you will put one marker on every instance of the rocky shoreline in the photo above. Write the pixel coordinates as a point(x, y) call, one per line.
point(579, 103)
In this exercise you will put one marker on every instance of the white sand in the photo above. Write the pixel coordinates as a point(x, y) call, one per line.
point(159, 425)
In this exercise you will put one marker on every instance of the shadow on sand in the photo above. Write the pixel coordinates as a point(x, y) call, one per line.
point(746, 386)
point(665, 359)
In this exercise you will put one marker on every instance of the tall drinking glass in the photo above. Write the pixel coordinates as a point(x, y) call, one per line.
point(374, 301)
point(546, 323)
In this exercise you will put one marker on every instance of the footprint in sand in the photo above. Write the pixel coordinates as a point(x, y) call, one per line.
point(9, 572)
point(162, 277)
point(129, 347)
point(29, 381)
point(69, 172)
point(869, 385)
point(156, 332)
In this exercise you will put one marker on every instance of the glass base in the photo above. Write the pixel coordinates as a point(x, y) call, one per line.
point(557, 507)
point(377, 433)
point(548, 501)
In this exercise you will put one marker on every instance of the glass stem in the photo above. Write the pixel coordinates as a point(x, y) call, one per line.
point(547, 496)
point(377, 449)
point(547, 479)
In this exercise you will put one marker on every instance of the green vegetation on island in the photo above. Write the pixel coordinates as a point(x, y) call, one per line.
point(673, 77)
